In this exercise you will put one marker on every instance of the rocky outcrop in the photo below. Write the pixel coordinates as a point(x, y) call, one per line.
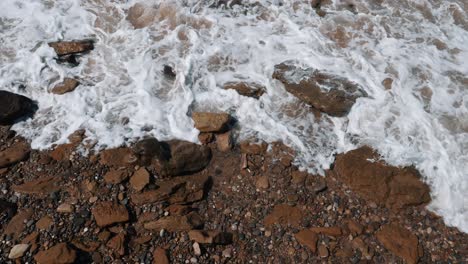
point(59, 253)
point(328, 93)
point(15, 153)
point(248, 89)
point(14, 106)
point(211, 122)
point(400, 242)
point(376, 181)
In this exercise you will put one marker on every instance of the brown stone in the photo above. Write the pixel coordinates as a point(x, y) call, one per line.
point(44, 223)
point(140, 179)
point(17, 225)
point(62, 152)
point(284, 215)
point(210, 237)
point(160, 256)
point(59, 253)
point(224, 141)
point(211, 122)
point(262, 183)
point(323, 251)
point(41, 186)
point(334, 231)
point(248, 89)
point(115, 176)
point(19, 151)
point(355, 228)
point(399, 241)
point(31, 239)
point(376, 181)
point(118, 157)
point(175, 223)
point(108, 213)
point(68, 85)
point(117, 244)
point(308, 239)
point(336, 100)
point(72, 47)
point(387, 83)
point(253, 148)
point(298, 177)
point(177, 209)
point(206, 138)
point(65, 208)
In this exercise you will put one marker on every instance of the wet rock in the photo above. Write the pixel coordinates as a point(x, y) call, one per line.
point(399, 241)
point(284, 215)
point(206, 138)
point(376, 181)
point(210, 237)
point(175, 223)
point(211, 122)
point(41, 186)
point(19, 151)
point(14, 106)
point(224, 141)
point(108, 213)
point(160, 256)
point(336, 98)
point(72, 47)
point(248, 89)
point(149, 148)
point(169, 71)
point(117, 157)
point(18, 251)
point(387, 83)
point(141, 15)
point(308, 239)
point(59, 253)
point(62, 152)
point(185, 157)
point(140, 179)
point(116, 176)
point(253, 148)
point(68, 85)
point(117, 244)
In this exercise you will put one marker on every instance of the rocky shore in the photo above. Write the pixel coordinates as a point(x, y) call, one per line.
point(220, 202)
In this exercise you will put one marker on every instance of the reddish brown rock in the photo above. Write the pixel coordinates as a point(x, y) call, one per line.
point(44, 223)
point(211, 122)
point(224, 141)
point(248, 89)
point(298, 177)
point(14, 106)
point(68, 85)
point(210, 237)
point(175, 223)
point(308, 239)
point(17, 224)
point(253, 148)
point(62, 152)
point(262, 183)
point(72, 47)
point(399, 241)
point(140, 179)
point(116, 176)
point(17, 152)
point(118, 157)
point(376, 181)
point(41, 186)
point(284, 215)
point(334, 231)
point(59, 253)
point(206, 138)
point(355, 228)
point(31, 239)
point(108, 213)
point(387, 83)
point(306, 84)
point(160, 256)
point(117, 244)
point(85, 245)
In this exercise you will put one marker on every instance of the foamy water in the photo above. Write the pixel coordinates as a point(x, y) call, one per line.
point(422, 45)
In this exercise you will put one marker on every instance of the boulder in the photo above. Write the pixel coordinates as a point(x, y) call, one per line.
point(58, 254)
point(14, 106)
point(400, 242)
point(211, 122)
point(325, 92)
point(68, 85)
point(248, 89)
point(17, 152)
point(63, 48)
point(109, 213)
point(374, 180)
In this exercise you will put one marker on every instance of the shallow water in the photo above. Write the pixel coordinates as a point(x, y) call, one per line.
point(422, 45)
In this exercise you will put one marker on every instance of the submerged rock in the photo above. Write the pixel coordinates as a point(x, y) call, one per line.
point(141, 15)
point(376, 181)
point(68, 85)
point(328, 93)
point(248, 89)
point(14, 106)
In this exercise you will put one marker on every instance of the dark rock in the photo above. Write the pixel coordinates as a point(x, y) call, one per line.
point(150, 148)
point(14, 106)
point(169, 71)
point(337, 97)
point(210, 237)
point(7, 209)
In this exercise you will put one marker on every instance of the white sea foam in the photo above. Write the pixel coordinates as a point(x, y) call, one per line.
point(421, 45)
